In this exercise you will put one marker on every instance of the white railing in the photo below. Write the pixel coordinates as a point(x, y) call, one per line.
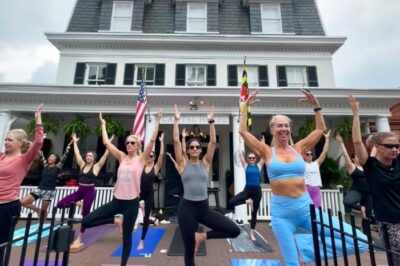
point(331, 199)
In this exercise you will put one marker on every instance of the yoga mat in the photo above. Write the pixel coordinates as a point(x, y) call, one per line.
point(255, 262)
point(91, 235)
point(243, 243)
point(119, 265)
point(151, 241)
point(176, 247)
point(21, 232)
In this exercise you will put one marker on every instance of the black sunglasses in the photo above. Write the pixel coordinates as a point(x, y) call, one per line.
point(251, 158)
point(390, 146)
point(196, 147)
point(130, 142)
point(308, 154)
point(151, 156)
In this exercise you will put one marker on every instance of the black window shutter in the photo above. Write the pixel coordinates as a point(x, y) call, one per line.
point(160, 74)
point(110, 73)
point(129, 74)
point(263, 76)
point(232, 75)
point(180, 75)
point(282, 80)
point(211, 75)
point(79, 73)
point(312, 76)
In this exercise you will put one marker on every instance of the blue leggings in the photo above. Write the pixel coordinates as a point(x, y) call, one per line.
point(287, 215)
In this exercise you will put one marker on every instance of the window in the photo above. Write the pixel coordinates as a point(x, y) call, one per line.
point(95, 73)
point(296, 76)
point(252, 76)
point(196, 17)
point(257, 76)
point(121, 18)
point(147, 73)
point(271, 18)
point(195, 75)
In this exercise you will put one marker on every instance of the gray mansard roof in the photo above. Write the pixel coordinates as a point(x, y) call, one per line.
point(240, 17)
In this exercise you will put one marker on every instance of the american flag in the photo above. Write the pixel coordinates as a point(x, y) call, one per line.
point(139, 125)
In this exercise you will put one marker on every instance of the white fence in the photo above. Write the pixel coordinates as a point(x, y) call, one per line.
point(331, 199)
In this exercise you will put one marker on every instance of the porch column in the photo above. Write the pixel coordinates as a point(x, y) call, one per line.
point(239, 174)
point(6, 119)
point(382, 124)
point(366, 127)
point(150, 124)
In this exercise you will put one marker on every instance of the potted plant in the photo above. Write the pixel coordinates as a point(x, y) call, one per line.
point(344, 129)
point(307, 128)
point(78, 125)
point(113, 127)
point(50, 125)
point(332, 174)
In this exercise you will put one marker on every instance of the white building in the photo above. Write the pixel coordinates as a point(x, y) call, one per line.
point(192, 52)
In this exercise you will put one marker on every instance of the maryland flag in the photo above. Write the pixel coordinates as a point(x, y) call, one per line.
point(244, 95)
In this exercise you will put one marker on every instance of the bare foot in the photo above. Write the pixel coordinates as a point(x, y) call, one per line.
point(140, 245)
point(79, 204)
point(200, 238)
point(118, 222)
point(250, 202)
point(251, 235)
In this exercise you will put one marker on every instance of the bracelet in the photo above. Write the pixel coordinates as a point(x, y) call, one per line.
point(316, 109)
point(211, 121)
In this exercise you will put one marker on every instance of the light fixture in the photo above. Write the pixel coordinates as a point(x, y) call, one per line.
point(195, 103)
point(195, 132)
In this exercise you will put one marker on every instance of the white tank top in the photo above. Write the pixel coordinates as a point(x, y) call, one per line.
point(312, 175)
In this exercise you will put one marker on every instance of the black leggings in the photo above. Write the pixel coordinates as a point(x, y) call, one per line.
point(353, 197)
point(190, 214)
point(105, 215)
point(249, 192)
point(7, 212)
point(146, 194)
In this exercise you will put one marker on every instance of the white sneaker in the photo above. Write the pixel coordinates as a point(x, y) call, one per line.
point(165, 222)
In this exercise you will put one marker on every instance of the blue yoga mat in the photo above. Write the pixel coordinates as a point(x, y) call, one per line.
point(153, 236)
point(21, 232)
point(255, 262)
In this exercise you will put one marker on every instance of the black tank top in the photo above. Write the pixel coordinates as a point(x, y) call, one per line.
point(147, 179)
point(87, 178)
point(360, 182)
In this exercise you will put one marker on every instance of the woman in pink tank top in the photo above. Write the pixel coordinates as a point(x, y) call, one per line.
point(127, 188)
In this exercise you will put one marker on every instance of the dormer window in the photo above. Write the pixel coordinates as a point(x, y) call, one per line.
point(196, 17)
point(121, 18)
point(271, 18)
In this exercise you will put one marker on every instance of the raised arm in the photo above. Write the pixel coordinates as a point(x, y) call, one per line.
point(184, 136)
point(213, 139)
point(261, 162)
point(359, 147)
point(180, 159)
point(312, 139)
point(173, 160)
point(251, 141)
point(158, 165)
point(97, 167)
point(78, 157)
point(348, 164)
point(149, 147)
point(324, 152)
point(119, 155)
point(241, 157)
point(32, 152)
point(43, 159)
point(65, 155)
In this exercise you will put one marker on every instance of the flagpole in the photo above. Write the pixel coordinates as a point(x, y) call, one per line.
point(244, 65)
point(145, 90)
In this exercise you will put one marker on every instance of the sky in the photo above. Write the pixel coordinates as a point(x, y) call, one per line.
point(369, 58)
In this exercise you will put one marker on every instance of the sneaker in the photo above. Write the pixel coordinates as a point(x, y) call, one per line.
point(229, 215)
point(165, 222)
point(239, 221)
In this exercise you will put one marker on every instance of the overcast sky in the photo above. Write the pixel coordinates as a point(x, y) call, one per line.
point(369, 58)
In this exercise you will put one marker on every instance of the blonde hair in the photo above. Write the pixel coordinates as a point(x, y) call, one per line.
point(273, 121)
point(378, 138)
point(138, 143)
point(21, 135)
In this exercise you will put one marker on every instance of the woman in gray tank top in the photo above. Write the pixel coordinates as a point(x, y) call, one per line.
point(193, 208)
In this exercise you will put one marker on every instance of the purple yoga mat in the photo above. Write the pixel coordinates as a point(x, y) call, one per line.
point(40, 263)
point(93, 234)
point(118, 265)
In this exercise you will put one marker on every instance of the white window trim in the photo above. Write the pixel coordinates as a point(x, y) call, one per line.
point(196, 82)
point(304, 72)
point(280, 30)
point(188, 19)
point(138, 82)
point(87, 80)
point(112, 27)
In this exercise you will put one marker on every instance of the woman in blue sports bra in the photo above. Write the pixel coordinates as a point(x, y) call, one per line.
point(290, 200)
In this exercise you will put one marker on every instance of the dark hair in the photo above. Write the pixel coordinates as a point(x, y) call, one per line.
point(192, 140)
point(57, 157)
point(94, 155)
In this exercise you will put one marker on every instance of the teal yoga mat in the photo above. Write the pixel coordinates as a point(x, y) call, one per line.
point(21, 232)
